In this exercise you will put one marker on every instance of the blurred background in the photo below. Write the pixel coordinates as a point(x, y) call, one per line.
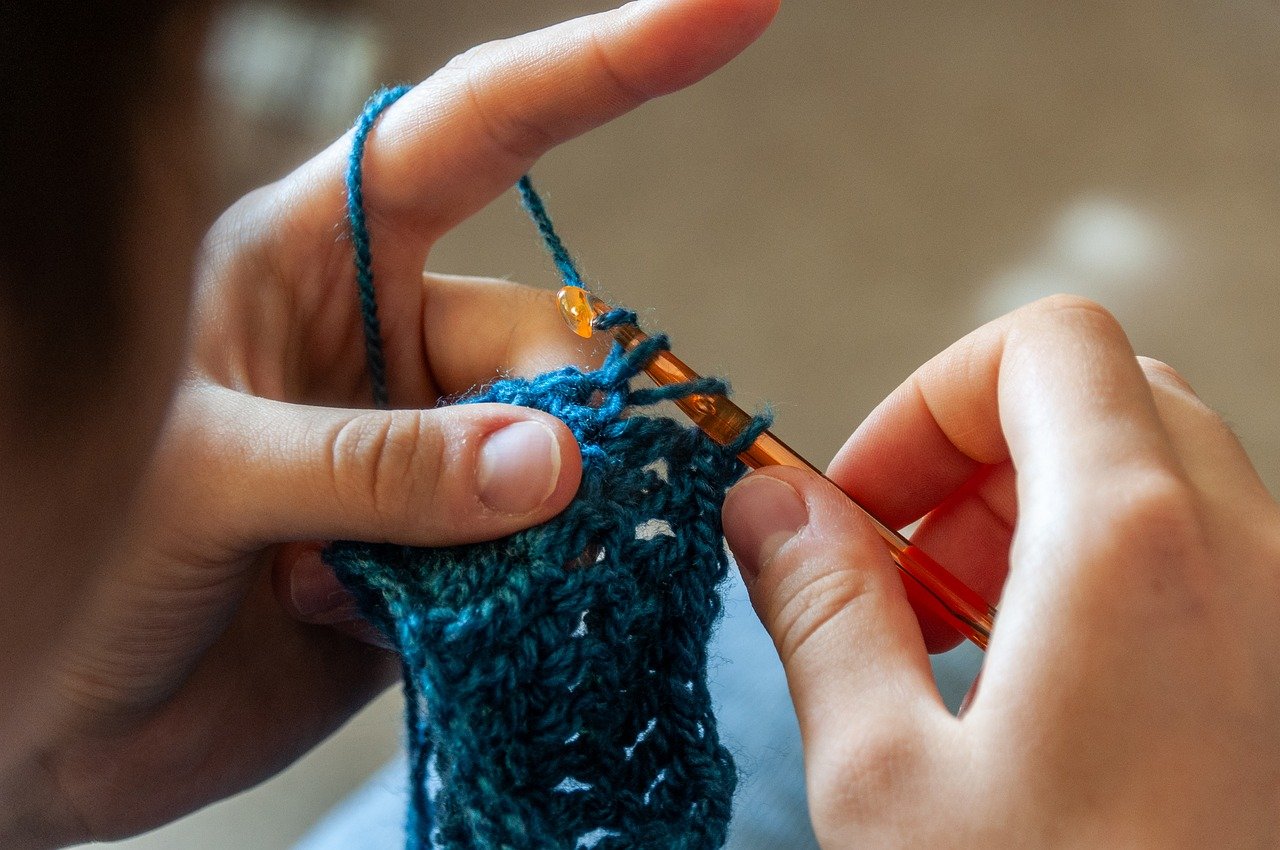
point(865, 185)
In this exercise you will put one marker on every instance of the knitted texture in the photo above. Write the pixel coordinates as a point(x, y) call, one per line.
point(555, 679)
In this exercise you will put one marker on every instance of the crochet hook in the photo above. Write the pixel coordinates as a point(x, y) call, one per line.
point(927, 583)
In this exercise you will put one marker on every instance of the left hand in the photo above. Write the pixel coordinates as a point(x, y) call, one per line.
point(184, 679)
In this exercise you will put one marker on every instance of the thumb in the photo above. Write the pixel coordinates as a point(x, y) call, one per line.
point(436, 477)
point(824, 586)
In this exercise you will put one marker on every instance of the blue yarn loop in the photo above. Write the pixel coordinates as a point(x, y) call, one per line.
point(615, 317)
point(555, 679)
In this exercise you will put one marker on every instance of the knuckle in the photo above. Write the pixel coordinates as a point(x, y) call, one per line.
point(813, 603)
point(237, 232)
point(381, 462)
point(481, 55)
point(478, 54)
point(1162, 374)
point(508, 130)
point(1076, 309)
point(1157, 538)
point(627, 89)
point(853, 779)
point(1156, 503)
point(239, 218)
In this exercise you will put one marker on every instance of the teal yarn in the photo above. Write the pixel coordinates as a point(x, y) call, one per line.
point(532, 203)
point(360, 239)
point(555, 679)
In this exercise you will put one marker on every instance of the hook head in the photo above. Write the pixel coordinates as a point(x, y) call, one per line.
point(579, 309)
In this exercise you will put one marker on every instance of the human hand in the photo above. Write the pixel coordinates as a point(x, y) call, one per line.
point(184, 678)
point(1131, 692)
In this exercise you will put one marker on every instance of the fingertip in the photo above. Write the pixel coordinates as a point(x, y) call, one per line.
point(898, 462)
point(865, 464)
point(761, 514)
point(833, 509)
point(781, 510)
point(467, 133)
point(688, 39)
point(570, 471)
point(830, 598)
point(748, 18)
point(306, 588)
point(309, 592)
point(529, 467)
point(938, 636)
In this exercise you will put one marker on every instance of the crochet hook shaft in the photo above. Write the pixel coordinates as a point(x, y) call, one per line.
point(927, 583)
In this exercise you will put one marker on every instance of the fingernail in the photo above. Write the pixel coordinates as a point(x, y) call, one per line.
point(518, 467)
point(760, 515)
point(317, 595)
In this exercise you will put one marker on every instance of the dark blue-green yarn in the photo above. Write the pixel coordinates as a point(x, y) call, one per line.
point(555, 679)
point(360, 239)
point(537, 211)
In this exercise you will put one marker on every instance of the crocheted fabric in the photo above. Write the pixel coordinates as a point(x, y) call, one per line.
point(556, 678)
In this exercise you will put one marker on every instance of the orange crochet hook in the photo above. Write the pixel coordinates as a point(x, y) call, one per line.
point(928, 584)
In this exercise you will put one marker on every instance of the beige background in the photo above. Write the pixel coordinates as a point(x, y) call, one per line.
point(865, 185)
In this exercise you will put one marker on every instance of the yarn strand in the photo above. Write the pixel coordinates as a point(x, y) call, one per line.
point(360, 239)
point(532, 203)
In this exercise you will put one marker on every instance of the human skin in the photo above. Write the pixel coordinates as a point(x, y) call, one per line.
point(1129, 696)
point(172, 663)
point(1131, 693)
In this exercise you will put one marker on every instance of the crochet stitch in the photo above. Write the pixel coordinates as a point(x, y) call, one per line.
point(555, 679)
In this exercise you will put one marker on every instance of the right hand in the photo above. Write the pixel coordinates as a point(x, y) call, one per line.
point(1131, 693)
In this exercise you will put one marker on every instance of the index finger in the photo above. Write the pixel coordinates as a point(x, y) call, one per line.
point(461, 138)
point(464, 135)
